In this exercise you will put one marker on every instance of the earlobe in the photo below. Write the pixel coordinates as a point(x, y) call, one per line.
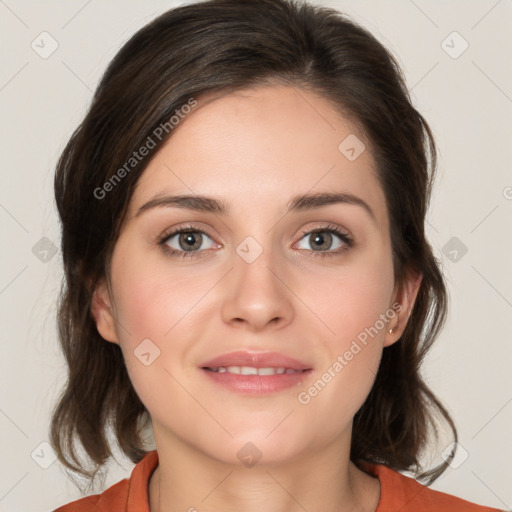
point(102, 312)
point(404, 303)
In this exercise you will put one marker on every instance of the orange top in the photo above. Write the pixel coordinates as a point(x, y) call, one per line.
point(398, 493)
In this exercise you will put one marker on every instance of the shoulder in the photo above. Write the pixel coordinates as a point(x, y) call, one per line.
point(400, 492)
point(128, 495)
point(114, 496)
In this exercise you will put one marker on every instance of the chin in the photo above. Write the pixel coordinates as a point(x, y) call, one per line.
point(255, 446)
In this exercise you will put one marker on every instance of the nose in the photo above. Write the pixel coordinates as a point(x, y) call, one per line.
point(256, 295)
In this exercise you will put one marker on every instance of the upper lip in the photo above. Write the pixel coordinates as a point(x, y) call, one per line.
point(255, 360)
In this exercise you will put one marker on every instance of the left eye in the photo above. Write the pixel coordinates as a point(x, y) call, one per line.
point(322, 239)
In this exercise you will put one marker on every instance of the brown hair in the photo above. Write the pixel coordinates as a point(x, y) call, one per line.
point(222, 46)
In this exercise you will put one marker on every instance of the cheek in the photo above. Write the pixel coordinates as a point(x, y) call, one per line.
point(151, 310)
point(355, 309)
point(152, 301)
point(352, 301)
point(156, 313)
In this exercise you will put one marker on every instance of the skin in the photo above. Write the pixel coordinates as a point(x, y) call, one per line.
point(255, 149)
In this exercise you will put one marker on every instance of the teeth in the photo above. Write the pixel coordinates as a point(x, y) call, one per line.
point(250, 370)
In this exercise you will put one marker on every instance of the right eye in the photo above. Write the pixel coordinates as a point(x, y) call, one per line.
point(184, 242)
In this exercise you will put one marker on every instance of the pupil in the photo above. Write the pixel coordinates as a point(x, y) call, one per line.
point(189, 239)
point(321, 238)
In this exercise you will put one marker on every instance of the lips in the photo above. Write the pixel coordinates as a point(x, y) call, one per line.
point(255, 373)
point(255, 360)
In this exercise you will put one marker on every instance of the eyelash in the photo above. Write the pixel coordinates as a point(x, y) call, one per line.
point(330, 228)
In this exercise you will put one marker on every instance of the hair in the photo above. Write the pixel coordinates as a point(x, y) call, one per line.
point(221, 46)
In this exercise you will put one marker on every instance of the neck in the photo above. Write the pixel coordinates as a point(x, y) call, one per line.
point(189, 480)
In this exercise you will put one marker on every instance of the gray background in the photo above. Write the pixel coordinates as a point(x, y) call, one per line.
point(466, 97)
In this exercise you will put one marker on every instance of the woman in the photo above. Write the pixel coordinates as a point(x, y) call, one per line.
point(247, 271)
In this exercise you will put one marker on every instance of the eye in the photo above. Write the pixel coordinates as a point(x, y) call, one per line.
point(321, 239)
point(184, 242)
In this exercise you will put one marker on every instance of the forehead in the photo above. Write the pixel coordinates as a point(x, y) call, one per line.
point(260, 146)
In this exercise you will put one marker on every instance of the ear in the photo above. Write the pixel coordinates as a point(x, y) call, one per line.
point(102, 311)
point(402, 303)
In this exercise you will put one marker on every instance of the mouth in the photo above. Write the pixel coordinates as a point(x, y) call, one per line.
point(255, 373)
point(251, 370)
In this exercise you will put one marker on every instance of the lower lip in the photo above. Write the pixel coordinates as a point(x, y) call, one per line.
point(257, 384)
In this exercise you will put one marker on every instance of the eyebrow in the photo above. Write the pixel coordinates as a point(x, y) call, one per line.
point(298, 203)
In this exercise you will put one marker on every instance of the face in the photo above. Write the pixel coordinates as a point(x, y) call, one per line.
point(313, 282)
